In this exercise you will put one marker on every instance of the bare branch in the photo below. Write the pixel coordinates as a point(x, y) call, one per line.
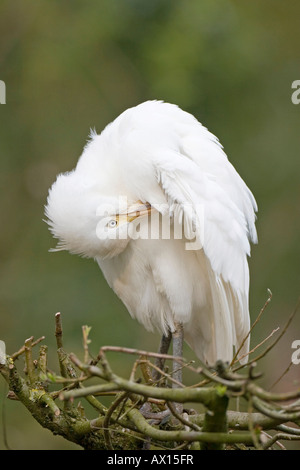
point(254, 324)
point(21, 351)
point(138, 411)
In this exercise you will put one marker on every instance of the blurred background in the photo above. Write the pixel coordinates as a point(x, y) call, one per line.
point(72, 65)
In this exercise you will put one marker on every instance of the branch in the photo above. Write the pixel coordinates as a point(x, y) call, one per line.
point(190, 436)
point(128, 421)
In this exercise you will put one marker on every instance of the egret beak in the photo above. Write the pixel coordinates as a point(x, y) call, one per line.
point(138, 209)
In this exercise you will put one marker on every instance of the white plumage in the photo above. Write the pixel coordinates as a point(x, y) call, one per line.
point(161, 156)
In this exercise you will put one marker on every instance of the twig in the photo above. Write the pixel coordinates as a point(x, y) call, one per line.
point(272, 413)
point(21, 351)
point(190, 436)
point(107, 417)
point(42, 361)
point(237, 385)
point(280, 336)
point(282, 375)
point(180, 418)
point(271, 396)
point(245, 428)
point(29, 360)
point(86, 391)
point(96, 404)
point(163, 374)
point(137, 435)
point(137, 352)
point(85, 334)
point(146, 375)
point(134, 405)
point(288, 429)
point(60, 352)
point(58, 331)
point(256, 321)
point(252, 429)
point(259, 344)
point(238, 420)
point(280, 436)
point(257, 358)
point(268, 436)
point(181, 395)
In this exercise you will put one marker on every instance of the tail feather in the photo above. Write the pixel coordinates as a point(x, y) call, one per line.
point(219, 330)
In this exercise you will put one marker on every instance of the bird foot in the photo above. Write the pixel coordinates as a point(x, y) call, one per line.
point(157, 417)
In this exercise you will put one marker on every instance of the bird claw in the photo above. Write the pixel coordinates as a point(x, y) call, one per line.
point(159, 417)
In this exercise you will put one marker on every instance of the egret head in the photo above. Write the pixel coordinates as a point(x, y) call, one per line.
point(88, 223)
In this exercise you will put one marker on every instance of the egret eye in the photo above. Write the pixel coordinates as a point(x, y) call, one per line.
point(112, 223)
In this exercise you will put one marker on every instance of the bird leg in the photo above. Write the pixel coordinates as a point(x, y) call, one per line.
point(165, 342)
point(146, 408)
point(163, 349)
point(177, 367)
point(177, 351)
point(177, 337)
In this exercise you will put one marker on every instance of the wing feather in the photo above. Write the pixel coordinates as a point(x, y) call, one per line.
point(185, 165)
point(216, 203)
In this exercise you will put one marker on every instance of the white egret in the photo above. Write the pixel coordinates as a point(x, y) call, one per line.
point(158, 159)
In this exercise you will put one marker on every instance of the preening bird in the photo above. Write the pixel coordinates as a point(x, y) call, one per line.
point(157, 163)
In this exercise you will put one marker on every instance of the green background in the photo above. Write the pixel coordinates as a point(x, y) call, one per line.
point(73, 65)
